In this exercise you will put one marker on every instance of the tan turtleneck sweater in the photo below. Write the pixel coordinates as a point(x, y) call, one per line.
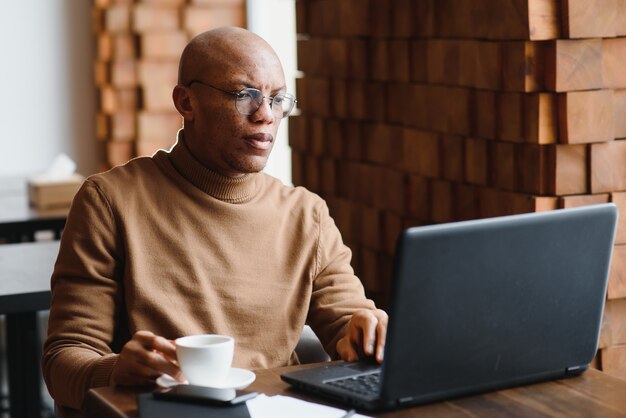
point(165, 245)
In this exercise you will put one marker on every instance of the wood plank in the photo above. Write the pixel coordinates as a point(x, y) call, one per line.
point(389, 192)
point(488, 66)
point(399, 60)
point(503, 165)
point(381, 143)
point(157, 97)
point(158, 127)
point(443, 61)
point(358, 59)
point(402, 24)
point(119, 152)
point(328, 176)
point(589, 18)
point(419, 60)
point(421, 152)
point(566, 169)
point(302, 16)
point(608, 166)
point(113, 100)
point(319, 103)
point(530, 168)
point(613, 330)
point(574, 201)
point(354, 17)
point(418, 197)
point(484, 114)
point(617, 276)
point(123, 125)
point(371, 227)
point(336, 58)
point(540, 118)
point(392, 227)
point(312, 172)
point(619, 198)
point(466, 202)
point(523, 66)
point(619, 110)
point(509, 114)
point(620, 18)
point(573, 65)
point(586, 116)
point(614, 361)
point(442, 201)
point(379, 59)
point(163, 45)
point(335, 142)
point(317, 135)
point(148, 18)
point(199, 19)
point(613, 58)
point(298, 133)
point(117, 18)
point(124, 73)
point(380, 18)
point(103, 126)
point(424, 13)
point(543, 19)
point(101, 73)
point(477, 161)
point(159, 72)
point(452, 157)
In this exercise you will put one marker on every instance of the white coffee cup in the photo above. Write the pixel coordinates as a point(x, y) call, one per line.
point(205, 359)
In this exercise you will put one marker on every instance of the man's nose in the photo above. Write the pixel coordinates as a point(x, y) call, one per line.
point(264, 113)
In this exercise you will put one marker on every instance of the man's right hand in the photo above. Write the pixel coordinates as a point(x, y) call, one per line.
point(144, 358)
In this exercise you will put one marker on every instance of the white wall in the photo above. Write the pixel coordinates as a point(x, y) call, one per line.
point(275, 21)
point(47, 103)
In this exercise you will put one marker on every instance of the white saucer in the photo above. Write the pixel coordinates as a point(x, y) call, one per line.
point(236, 379)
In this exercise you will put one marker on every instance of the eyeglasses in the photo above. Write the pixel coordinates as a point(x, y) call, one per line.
point(249, 100)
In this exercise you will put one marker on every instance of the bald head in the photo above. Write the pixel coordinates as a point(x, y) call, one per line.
point(224, 51)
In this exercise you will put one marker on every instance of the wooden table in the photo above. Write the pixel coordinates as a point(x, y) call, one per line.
point(25, 271)
point(594, 394)
point(18, 220)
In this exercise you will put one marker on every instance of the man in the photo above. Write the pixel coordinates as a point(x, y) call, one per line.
point(198, 240)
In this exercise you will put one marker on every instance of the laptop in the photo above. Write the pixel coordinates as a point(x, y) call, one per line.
point(482, 305)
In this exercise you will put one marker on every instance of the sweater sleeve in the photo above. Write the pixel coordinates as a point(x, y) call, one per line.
point(337, 293)
point(86, 299)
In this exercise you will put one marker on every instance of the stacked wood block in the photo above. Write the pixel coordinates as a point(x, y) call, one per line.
point(139, 43)
point(430, 111)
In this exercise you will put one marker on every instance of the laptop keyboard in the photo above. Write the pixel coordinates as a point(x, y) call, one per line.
point(364, 384)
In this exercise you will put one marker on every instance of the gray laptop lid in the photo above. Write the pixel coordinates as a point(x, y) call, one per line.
point(485, 304)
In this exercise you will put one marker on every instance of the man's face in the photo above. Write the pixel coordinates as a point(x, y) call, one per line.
point(222, 138)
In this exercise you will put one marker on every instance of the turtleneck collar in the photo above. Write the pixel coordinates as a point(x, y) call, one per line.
point(227, 189)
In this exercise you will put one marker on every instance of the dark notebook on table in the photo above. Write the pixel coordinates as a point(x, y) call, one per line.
point(482, 305)
point(149, 407)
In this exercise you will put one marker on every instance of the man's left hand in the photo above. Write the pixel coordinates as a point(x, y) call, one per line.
point(365, 336)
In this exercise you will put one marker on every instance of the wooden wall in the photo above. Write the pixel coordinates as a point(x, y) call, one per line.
point(427, 111)
point(139, 43)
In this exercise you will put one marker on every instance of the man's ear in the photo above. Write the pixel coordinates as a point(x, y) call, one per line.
point(182, 101)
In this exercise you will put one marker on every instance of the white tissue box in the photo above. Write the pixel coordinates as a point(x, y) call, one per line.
point(46, 193)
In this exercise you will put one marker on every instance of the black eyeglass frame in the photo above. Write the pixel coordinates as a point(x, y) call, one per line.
point(239, 95)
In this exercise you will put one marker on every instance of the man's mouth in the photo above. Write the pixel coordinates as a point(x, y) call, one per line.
point(260, 141)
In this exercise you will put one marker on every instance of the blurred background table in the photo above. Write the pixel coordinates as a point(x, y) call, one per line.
point(19, 222)
point(25, 271)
